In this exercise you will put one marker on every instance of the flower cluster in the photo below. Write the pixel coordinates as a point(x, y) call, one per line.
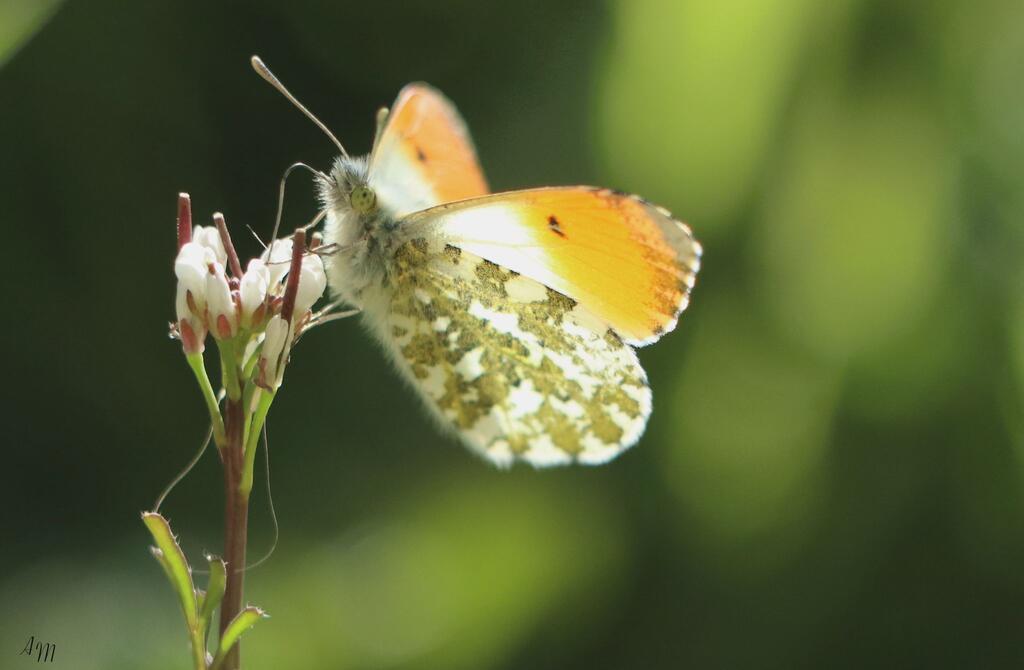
point(254, 317)
point(255, 314)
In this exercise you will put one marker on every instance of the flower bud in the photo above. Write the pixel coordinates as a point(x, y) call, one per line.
point(277, 258)
point(221, 312)
point(209, 237)
point(253, 292)
point(274, 355)
point(191, 328)
point(312, 282)
point(190, 267)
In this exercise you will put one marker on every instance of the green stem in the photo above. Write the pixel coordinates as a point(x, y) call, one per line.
point(250, 387)
point(195, 361)
point(259, 417)
point(229, 366)
point(250, 364)
point(199, 647)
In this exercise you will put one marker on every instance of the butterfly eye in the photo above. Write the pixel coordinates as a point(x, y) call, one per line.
point(363, 199)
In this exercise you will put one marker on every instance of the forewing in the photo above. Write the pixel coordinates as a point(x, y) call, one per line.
point(424, 155)
point(626, 261)
point(516, 369)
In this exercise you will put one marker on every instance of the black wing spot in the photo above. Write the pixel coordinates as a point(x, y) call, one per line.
point(554, 226)
point(422, 157)
point(453, 253)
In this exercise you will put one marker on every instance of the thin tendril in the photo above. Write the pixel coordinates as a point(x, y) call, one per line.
point(256, 235)
point(273, 512)
point(270, 501)
point(188, 468)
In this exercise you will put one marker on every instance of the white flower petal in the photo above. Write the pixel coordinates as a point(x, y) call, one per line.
point(219, 303)
point(189, 320)
point(278, 257)
point(181, 303)
point(191, 267)
point(274, 355)
point(253, 288)
point(192, 257)
point(209, 238)
point(312, 282)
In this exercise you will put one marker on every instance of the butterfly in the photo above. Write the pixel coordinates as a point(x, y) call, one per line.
point(513, 315)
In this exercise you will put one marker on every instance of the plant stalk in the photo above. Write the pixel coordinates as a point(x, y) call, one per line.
point(236, 519)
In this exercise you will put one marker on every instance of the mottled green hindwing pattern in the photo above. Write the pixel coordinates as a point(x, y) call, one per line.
point(519, 370)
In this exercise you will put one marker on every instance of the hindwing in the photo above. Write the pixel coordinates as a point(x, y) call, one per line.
point(518, 370)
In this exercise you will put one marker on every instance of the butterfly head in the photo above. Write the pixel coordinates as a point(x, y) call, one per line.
point(346, 188)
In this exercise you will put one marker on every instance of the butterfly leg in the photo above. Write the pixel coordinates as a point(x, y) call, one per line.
point(328, 313)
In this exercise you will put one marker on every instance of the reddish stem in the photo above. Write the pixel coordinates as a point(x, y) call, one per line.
point(184, 219)
point(229, 247)
point(236, 518)
point(291, 289)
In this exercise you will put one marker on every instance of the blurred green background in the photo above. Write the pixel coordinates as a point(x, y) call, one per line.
point(833, 473)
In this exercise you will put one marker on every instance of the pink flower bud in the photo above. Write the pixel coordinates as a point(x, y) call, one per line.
point(191, 341)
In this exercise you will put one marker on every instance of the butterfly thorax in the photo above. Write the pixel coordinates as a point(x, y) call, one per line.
point(358, 225)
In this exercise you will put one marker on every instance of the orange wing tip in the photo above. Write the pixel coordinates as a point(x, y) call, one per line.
point(687, 251)
point(424, 143)
point(688, 257)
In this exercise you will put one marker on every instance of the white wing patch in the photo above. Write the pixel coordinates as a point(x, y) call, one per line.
point(518, 370)
point(399, 184)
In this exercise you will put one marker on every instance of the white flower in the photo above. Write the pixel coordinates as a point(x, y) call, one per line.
point(276, 344)
point(278, 257)
point(190, 267)
point(312, 282)
point(191, 327)
point(209, 237)
point(253, 290)
point(221, 313)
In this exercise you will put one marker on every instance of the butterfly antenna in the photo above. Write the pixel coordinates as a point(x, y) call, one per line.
point(263, 71)
point(280, 199)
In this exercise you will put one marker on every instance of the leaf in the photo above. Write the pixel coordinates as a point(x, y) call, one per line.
point(20, 20)
point(245, 620)
point(214, 591)
point(171, 558)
